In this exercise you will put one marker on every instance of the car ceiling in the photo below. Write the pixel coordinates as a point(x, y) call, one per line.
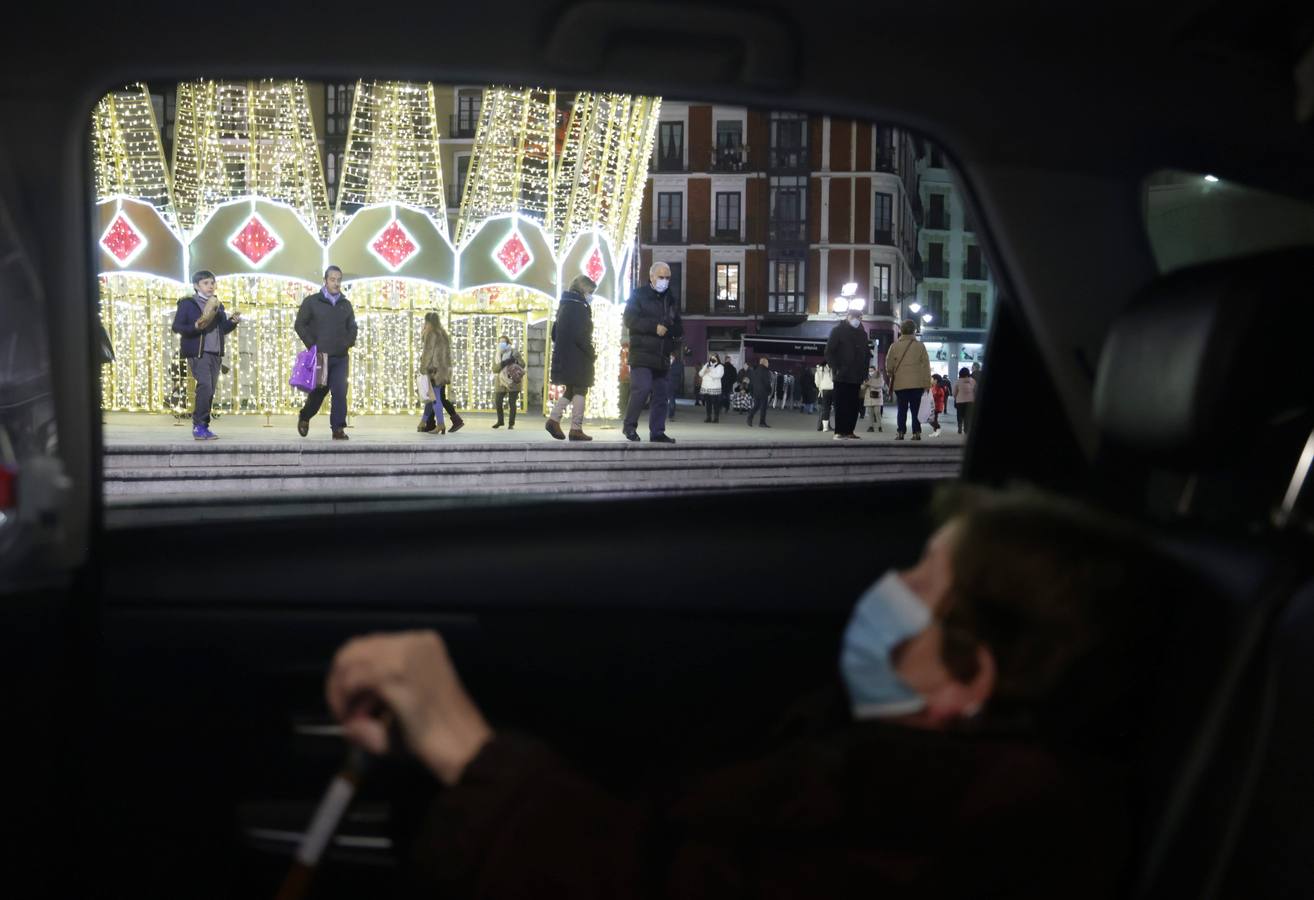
point(1033, 101)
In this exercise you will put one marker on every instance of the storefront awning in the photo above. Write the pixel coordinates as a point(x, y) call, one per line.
point(797, 346)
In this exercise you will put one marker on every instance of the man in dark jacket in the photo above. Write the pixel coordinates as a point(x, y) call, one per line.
point(327, 321)
point(807, 389)
point(729, 377)
point(202, 323)
point(848, 353)
point(653, 319)
point(763, 380)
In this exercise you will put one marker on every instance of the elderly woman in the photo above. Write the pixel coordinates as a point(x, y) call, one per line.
point(436, 369)
point(573, 356)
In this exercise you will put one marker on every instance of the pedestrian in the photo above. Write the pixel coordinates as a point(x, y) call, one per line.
point(509, 366)
point(763, 385)
point(742, 399)
point(573, 356)
point(674, 383)
point(873, 398)
point(780, 389)
point(808, 390)
point(436, 370)
point(652, 316)
point(938, 395)
point(729, 376)
point(908, 368)
point(848, 351)
point(826, 392)
point(624, 376)
point(712, 374)
point(964, 399)
point(326, 321)
point(202, 323)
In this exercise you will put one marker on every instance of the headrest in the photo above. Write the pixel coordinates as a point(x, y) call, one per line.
point(1207, 358)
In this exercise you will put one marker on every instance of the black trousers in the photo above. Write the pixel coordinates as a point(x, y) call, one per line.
point(847, 401)
point(760, 404)
point(338, 368)
point(500, 396)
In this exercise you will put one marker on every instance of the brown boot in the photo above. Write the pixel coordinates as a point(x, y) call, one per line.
point(339, 434)
point(554, 428)
point(577, 434)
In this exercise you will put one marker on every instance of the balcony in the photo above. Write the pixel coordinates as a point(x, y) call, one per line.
point(779, 230)
point(938, 219)
point(730, 158)
point(937, 268)
point(976, 272)
point(726, 236)
point(882, 308)
point(885, 160)
point(668, 162)
point(885, 236)
point(461, 127)
point(974, 321)
point(788, 159)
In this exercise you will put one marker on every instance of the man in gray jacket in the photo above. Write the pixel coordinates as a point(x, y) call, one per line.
point(327, 321)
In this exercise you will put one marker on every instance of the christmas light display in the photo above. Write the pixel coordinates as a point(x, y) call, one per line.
point(604, 166)
point(513, 160)
point(247, 139)
point(128, 159)
point(392, 150)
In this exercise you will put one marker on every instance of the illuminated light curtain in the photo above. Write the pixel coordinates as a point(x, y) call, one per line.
point(247, 139)
point(604, 166)
point(474, 349)
point(127, 155)
point(603, 399)
point(392, 151)
point(386, 358)
point(147, 374)
point(513, 159)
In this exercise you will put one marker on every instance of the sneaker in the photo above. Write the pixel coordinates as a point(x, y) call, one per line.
point(852, 437)
point(553, 428)
point(303, 426)
point(631, 435)
point(838, 437)
point(935, 433)
point(659, 439)
point(201, 433)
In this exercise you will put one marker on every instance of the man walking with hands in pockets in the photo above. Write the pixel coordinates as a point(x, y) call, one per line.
point(653, 320)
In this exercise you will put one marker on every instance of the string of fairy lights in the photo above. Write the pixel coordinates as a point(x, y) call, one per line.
point(235, 140)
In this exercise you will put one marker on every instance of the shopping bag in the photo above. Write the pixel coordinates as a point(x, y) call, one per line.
point(304, 370)
point(424, 387)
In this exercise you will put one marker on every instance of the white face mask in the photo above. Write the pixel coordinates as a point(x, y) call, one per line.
point(662, 284)
point(856, 323)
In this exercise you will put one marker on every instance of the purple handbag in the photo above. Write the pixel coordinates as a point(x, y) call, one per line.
point(303, 370)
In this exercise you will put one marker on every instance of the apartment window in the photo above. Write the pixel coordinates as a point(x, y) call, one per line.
point(468, 104)
point(670, 146)
point(785, 294)
point(787, 218)
point(935, 306)
point(788, 140)
point(670, 217)
point(973, 316)
point(885, 155)
point(881, 281)
point(937, 267)
point(337, 107)
point(677, 283)
point(728, 155)
point(727, 288)
point(729, 134)
point(974, 268)
point(883, 213)
point(727, 214)
point(939, 216)
point(937, 158)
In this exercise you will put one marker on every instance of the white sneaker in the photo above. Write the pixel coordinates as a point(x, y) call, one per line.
point(934, 433)
point(839, 437)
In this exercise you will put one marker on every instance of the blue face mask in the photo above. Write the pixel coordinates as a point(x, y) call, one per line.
point(887, 614)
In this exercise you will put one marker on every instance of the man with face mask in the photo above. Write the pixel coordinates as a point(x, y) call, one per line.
point(327, 321)
point(848, 353)
point(653, 320)
point(202, 322)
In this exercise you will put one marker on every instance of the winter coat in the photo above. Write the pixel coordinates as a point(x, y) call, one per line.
point(330, 327)
point(874, 384)
point(808, 382)
point(763, 381)
point(712, 376)
point(938, 394)
point(436, 357)
point(848, 352)
point(573, 354)
point(193, 339)
point(728, 379)
point(965, 391)
point(908, 365)
point(504, 384)
point(645, 310)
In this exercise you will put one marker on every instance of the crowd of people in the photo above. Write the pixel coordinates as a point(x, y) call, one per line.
point(847, 386)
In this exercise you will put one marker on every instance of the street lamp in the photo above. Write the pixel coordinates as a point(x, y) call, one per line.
point(840, 305)
point(914, 307)
point(927, 318)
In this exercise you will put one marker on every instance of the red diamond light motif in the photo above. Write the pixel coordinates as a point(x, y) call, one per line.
point(394, 245)
point(256, 240)
point(513, 256)
point(594, 267)
point(122, 240)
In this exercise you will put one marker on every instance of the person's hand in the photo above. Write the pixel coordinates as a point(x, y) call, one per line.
point(236, 318)
point(661, 330)
point(411, 675)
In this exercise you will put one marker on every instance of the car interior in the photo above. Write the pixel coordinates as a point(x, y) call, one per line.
point(168, 724)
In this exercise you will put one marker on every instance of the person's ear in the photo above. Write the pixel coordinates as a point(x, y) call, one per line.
point(958, 700)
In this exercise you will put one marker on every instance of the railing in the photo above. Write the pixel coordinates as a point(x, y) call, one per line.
point(726, 307)
point(937, 269)
point(670, 236)
point(726, 235)
point(977, 321)
point(885, 236)
point(461, 127)
point(730, 158)
point(788, 159)
point(976, 272)
point(671, 163)
point(938, 220)
point(787, 231)
point(786, 303)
